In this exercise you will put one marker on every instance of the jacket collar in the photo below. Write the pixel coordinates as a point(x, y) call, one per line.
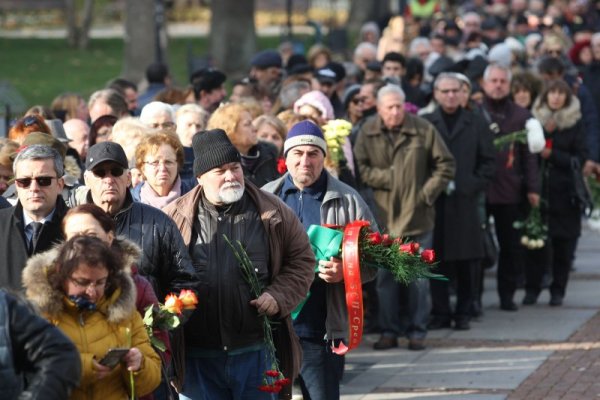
point(376, 126)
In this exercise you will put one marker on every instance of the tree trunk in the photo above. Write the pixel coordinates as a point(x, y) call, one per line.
point(232, 35)
point(86, 24)
point(78, 34)
point(141, 38)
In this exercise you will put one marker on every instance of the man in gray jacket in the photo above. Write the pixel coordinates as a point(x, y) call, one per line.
point(318, 198)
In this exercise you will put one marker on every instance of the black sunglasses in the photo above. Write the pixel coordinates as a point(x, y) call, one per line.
point(30, 120)
point(114, 171)
point(41, 181)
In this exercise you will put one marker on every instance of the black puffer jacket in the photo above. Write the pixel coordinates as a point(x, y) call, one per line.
point(165, 260)
point(29, 344)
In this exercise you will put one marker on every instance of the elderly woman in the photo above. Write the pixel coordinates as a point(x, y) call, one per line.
point(559, 112)
point(259, 159)
point(158, 115)
point(191, 119)
point(83, 288)
point(159, 157)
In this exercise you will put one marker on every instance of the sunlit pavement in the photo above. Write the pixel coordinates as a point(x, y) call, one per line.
point(538, 352)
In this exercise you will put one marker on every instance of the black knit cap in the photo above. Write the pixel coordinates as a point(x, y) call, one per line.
point(211, 150)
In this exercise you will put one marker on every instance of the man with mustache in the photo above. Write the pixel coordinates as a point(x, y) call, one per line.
point(225, 345)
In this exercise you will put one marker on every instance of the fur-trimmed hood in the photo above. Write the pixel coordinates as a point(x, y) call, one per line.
point(565, 118)
point(51, 302)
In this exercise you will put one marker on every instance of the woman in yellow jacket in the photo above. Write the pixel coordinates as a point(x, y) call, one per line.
point(83, 289)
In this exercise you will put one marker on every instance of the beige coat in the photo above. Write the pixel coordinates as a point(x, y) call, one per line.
point(407, 175)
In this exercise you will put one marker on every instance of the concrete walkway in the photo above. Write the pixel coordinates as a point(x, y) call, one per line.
point(538, 352)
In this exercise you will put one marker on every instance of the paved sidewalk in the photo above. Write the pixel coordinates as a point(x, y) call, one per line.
point(539, 352)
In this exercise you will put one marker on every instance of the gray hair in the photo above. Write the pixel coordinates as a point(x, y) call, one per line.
point(416, 42)
point(489, 68)
point(41, 152)
point(371, 27)
point(156, 108)
point(364, 47)
point(114, 99)
point(460, 78)
point(390, 89)
point(292, 92)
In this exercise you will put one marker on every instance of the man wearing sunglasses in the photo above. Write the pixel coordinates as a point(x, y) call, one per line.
point(165, 260)
point(33, 224)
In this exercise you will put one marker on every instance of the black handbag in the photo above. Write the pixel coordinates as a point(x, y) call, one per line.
point(490, 250)
point(582, 197)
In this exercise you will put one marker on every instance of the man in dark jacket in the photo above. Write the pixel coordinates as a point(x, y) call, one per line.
point(30, 345)
point(165, 261)
point(225, 343)
point(33, 224)
point(515, 185)
point(469, 139)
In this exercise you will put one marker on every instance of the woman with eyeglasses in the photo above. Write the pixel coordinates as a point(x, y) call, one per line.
point(91, 220)
point(84, 289)
point(159, 157)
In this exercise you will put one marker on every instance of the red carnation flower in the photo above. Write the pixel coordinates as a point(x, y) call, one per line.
point(374, 238)
point(410, 248)
point(428, 256)
point(281, 167)
point(387, 240)
point(272, 373)
point(549, 144)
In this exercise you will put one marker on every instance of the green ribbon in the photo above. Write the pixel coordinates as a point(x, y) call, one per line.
point(325, 243)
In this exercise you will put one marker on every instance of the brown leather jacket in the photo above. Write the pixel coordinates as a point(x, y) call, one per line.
point(292, 261)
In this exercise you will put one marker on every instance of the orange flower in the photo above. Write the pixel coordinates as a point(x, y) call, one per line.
point(188, 299)
point(173, 304)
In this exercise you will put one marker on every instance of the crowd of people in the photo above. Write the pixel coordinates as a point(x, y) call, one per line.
point(110, 204)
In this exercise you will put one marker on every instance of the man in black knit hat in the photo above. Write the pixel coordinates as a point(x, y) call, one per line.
point(225, 344)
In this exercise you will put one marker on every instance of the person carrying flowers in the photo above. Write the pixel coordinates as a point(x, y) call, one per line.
point(318, 198)
point(227, 349)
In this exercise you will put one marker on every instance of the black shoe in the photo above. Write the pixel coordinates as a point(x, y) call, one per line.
point(416, 344)
point(438, 322)
point(556, 300)
point(385, 342)
point(462, 324)
point(508, 305)
point(530, 299)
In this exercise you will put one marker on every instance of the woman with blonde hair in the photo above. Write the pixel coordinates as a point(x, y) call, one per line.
point(159, 157)
point(69, 106)
point(259, 159)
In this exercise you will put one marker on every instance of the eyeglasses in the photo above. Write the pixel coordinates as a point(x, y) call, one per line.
point(166, 163)
point(100, 284)
point(114, 171)
point(447, 91)
point(555, 52)
point(358, 100)
point(40, 180)
point(164, 125)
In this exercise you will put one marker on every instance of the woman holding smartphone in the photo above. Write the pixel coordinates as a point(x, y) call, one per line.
point(83, 288)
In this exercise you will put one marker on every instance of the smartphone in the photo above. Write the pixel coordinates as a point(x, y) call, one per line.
point(113, 357)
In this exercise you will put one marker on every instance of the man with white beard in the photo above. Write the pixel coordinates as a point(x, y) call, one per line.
point(224, 342)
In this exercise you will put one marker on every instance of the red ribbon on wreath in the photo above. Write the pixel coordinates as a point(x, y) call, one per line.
point(353, 285)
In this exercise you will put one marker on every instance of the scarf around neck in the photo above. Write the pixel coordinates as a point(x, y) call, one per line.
point(150, 197)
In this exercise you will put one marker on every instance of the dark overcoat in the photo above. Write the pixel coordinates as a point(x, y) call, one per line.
point(13, 243)
point(458, 232)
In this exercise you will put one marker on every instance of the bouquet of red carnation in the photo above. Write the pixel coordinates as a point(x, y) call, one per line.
point(169, 316)
point(403, 258)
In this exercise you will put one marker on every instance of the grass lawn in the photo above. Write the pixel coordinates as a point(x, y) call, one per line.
point(40, 69)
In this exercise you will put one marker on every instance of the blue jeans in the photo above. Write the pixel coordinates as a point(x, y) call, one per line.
point(395, 297)
point(226, 377)
point(321, 370)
